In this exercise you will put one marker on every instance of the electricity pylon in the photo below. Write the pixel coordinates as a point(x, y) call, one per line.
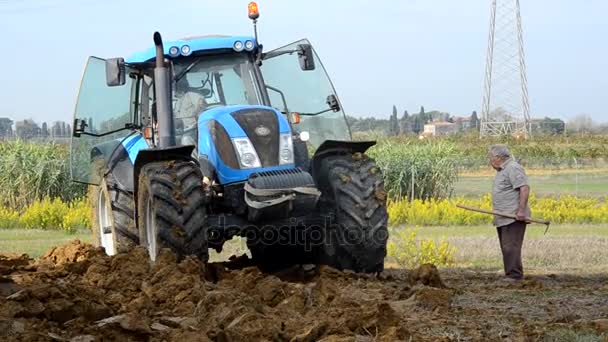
point(505, 108)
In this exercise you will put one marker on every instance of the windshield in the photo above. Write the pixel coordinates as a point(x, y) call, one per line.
point(294, 90)
point(205, 82)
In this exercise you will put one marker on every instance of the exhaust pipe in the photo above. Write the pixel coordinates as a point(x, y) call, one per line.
point(164, 111)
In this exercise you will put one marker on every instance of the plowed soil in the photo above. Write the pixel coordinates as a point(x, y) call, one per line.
point(77, 293)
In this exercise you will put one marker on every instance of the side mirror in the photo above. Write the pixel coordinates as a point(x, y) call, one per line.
point(115, 72)
point(306, 57)
point(332, 102)
point(79, 127)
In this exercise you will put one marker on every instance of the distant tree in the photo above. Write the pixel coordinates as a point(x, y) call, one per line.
point(418, 125)
point(26, 129)
point(581, 123)
point(56, 130)
point(394, 122)
point(68, 130)
point(91, 129)
point(475, 120)
point(6, 127)
point(501, 114)
point(423, 116)
point(45, 130)
point(63, 129)
point(405, 125)
point(368, 124)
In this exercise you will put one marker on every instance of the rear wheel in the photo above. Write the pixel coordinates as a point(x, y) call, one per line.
point(172, 209)
point(113, 224)
point(353, 191)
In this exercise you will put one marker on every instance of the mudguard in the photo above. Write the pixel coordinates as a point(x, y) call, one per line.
point(156, 155)
point(118, 156)
point(336, 147)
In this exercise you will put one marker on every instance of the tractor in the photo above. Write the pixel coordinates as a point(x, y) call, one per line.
point(195, 141)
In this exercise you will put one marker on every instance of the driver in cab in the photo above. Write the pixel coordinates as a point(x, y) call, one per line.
point(190, 104)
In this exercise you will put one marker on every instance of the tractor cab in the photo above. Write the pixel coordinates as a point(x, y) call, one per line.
point(210, 77)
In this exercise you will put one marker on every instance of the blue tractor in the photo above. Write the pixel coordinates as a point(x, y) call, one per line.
point(198, 140)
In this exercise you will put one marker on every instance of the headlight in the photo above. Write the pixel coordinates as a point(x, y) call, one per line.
point(248, 157)
point(249, 45)
point(286, 149)
point(173, 51)
point(186, 50)
point(238, 46)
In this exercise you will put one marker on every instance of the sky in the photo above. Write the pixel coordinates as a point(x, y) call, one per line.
point(408, 53)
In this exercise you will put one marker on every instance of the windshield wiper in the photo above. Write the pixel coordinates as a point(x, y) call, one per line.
point(183, 73)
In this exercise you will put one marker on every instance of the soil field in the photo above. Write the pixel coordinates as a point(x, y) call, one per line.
point(76, 293)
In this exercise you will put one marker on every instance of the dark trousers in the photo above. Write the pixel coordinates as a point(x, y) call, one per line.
point(511, 238)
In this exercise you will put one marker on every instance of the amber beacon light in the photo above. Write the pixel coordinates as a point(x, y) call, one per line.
point(254, 11)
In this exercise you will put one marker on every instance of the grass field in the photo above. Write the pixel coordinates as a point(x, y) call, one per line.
point(36, 242)
point(579, 184)
point(565, 248)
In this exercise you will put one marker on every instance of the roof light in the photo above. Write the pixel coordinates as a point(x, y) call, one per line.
point(238, 46)
point(249, 45)
point(186, 50)
point(254, 11)
point(174, 51)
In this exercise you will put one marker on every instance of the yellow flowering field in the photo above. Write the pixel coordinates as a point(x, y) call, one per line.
point(408, 250)
point(562, 209)
point(49, 214)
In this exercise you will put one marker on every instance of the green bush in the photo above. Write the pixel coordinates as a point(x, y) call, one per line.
point(430, 168)
point(544, 152)
point(32, 171)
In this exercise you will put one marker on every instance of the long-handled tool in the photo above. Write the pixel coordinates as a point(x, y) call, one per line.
point(497, 213)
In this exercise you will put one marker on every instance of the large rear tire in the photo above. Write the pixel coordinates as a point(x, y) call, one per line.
point(113, 217)
point(171, 208)
point(353, 190)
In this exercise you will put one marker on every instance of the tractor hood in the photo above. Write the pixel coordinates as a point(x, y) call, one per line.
point(262, 126)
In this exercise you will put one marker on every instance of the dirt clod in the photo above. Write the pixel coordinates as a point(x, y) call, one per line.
point(601, 325)
point(77, 293)
point(426, 274)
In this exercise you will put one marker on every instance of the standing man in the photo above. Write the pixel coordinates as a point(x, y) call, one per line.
point(510, 195)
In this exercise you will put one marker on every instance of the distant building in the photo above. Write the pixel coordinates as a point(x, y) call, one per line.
point(440, 128)
point(464, 123)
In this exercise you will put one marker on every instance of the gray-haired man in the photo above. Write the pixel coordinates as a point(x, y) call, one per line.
point(510, 195)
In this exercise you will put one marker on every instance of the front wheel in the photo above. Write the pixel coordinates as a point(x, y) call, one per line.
point(113, 211)
point(171, 208)
point(353, 192)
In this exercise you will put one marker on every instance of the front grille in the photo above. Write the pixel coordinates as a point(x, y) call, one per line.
point(266, 146)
